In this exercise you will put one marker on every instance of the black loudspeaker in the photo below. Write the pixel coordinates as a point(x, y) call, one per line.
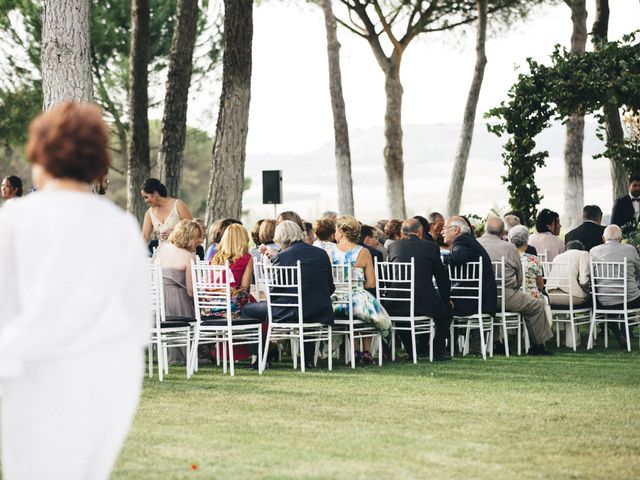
point(272, 186)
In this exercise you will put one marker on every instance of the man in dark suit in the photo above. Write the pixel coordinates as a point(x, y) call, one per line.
point(316, 280)
point(626, 210)
point(590, 232)
point(428, 301)
point(465, 249)
point(426, 228)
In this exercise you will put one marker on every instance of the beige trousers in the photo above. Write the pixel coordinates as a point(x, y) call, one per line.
point(533, 312)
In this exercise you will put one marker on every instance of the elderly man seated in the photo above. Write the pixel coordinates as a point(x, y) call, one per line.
point(516, 300)
point(614, 251)
point(317, 284)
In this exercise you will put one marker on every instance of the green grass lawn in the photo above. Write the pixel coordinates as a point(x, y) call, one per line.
point(566, 416)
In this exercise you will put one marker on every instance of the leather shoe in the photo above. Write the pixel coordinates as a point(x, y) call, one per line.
point(539, 349)
point(622, 341)
point(442, 358)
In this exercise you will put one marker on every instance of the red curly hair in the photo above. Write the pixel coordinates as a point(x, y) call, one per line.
point(70, 141)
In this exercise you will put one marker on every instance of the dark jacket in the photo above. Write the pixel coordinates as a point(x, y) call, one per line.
point(466, 249)
point(623, 213)
point(589, 233)
point(428, 266)
point(375, 253)
point(317, 284)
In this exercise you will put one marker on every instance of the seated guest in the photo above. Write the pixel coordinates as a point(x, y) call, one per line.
point(366, 306)
point(547, 240)
point(174, 257)
point(464, 249)
point(215, 235)
point(531, 269)
point(317, 283)
point(532, 310)
point(510, 221)
point(590, 232)
point(614, 251)
point(325, 229)
point(428, 301)
point(392, 232)
point(234, 249)
point(426, 228)
point(369, 240)
point(308, 227)
point(436, 222)
point(571, 266)
point(199, 248)
point(293, 216)
point(255, 238)
point(578, 260)
point(267, 231)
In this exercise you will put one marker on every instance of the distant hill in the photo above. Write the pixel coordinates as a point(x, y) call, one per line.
point(309, 182)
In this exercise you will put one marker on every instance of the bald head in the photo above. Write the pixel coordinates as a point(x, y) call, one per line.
point(494, 225)
point(612, 232)
point(411, 227)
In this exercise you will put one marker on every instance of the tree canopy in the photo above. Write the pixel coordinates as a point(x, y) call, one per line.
point(571, 84)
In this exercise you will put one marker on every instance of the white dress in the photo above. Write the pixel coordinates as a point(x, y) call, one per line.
point(75, 320)
point(168, 225)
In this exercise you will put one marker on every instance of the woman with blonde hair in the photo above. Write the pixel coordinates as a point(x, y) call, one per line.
point(365, 306)
point(174, 256)
point(234, 248)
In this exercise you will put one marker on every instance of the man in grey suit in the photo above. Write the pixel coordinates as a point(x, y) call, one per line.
point(614, 251)
point(516, 300)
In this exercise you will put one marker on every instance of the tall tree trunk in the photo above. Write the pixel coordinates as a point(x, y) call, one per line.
point(466, 135)
point(174, 120)
point(66, 52)
point(138, 164)
point(229, 147)
point(613, 125)
point(573, 178)
point(340, 127)
point(393, 161)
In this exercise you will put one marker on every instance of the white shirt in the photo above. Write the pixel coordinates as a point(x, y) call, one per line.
point(73, 275)
point(578, 273)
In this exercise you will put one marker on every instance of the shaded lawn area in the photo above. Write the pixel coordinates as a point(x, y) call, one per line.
point(566, 416)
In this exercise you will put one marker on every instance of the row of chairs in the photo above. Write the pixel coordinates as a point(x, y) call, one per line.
point(394, 283)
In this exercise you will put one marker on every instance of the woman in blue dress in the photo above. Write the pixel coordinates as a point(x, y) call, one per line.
point(365, 306)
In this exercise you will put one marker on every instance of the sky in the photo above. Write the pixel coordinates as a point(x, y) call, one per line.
point(290, 104)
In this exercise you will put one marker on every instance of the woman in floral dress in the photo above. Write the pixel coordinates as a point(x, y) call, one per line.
point(365, 306)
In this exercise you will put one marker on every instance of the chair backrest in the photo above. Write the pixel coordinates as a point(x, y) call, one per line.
point(342, 280)
point(395, 283)
point(211, 288)
point(466, 282)
point(499, 272)
point(543, 256)
point(562, 283)
point(156, 291)
point(284, 282)
point(608, 283)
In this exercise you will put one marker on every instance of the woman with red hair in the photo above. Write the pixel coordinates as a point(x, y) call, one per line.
point(75, 316)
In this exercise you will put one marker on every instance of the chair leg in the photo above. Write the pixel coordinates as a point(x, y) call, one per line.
point(379, 350)
point(224, 357)
point(217, 355)
point(259, 359)
point(574, 338)
point(592, 325)
point(265, 351)
point(626, 328)
point(188, 354)
point(302, 359)
point(294, 352)
point(413, 342)
point(393, 344)
point(431, 335)
point(483, 346)
point(232, 363)
point(330, 362)
point(505, 337)
point(606, 334)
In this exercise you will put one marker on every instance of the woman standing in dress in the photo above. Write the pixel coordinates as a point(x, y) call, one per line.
point(164, 212)
point(76, 316)
point(365, 306)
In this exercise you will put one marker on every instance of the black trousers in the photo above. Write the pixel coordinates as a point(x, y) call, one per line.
point(258, 310)
point(615, 327)
point(442, 315)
